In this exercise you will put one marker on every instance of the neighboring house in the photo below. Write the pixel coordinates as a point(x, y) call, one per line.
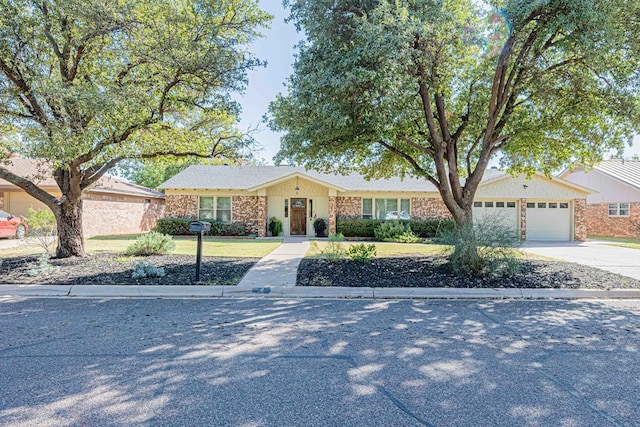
point(540, 208)
point(111, 206)
point(615, 210)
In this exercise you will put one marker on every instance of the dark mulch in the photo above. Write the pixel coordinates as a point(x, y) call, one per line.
point(113, 269)
point(431, 272)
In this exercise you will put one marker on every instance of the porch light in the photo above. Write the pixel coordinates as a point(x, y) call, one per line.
point(297, 189)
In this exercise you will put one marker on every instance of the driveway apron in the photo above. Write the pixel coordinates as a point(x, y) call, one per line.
point(598, 254)
point(280, 267)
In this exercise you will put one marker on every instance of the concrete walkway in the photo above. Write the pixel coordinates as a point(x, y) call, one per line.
point(280, 267)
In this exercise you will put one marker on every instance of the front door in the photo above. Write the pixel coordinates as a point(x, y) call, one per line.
point(298, 217)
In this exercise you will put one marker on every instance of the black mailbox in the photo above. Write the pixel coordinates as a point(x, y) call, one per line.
point(199, 227)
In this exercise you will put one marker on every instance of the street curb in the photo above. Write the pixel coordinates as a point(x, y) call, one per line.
point(195, 291)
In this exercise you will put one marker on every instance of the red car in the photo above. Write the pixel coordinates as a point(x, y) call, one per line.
point(12, 226)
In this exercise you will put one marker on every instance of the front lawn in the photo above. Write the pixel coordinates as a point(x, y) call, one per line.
point(619, 241)
point(211, 247)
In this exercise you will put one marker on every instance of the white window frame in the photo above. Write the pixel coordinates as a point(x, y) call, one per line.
point(617, 208)
point(215, 209)
point(373, 205)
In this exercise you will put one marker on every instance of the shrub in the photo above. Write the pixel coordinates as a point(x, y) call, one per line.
point(425, 228)
point(42, 267)
point(173, 226)
point(487, 247)
point(275, 226)
point(406, 237)
point(142, 269)
point(153, 243)
point(334, 250)
point(362, 252)
point(320, 227)
point(389, 230)
point(42, 228)
point(233, 229)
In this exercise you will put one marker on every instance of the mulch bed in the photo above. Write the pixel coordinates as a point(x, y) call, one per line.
point(114, 269)
point(431, 272)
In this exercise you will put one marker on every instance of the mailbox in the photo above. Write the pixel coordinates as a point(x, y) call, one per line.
point(199, 227)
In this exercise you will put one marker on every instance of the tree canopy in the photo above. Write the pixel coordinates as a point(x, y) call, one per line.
point(85, 84)
point(436, 88)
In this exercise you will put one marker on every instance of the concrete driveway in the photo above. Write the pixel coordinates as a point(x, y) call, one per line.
point(10, 243)
point(598, 254)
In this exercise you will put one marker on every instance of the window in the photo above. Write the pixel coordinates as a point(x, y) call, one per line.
point(477, 204)
point(386, 208)
point(218, 208)
point(531, 205)
point(618, 209)
point(542, 205)
point(367, 208)
point(499, 204)
point(147, 201)
point(564, 205)
point(488, 204)
point(286, 208)
point(553, 205)
point(511, 204)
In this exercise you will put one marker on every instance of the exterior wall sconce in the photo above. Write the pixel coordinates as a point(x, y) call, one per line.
point(297, 189)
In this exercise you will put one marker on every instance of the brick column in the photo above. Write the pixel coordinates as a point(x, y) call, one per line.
point(523, 219)
point(1, 200)
point(262, 216)
point(580, 220)
point(332, 214)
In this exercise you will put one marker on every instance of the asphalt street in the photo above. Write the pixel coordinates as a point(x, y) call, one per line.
point(280, 362)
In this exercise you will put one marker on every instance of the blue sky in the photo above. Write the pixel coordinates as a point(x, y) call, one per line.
point(277, 48)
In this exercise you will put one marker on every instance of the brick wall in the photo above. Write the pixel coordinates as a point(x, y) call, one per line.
point(332, 214)
point(1, 200)
point(599, 222)
point(580, 220)
point(349, 207)
point(121, 216)
point(429, 208)
point(251, 211)
point(181, 206)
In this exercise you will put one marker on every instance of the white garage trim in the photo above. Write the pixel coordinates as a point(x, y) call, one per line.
point(549, 220)
point(505, 211)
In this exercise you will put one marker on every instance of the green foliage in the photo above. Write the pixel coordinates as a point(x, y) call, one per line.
point(42, 267)
point(487, 247)
point(275, 226)
point(320, 227)
point(42, 228)
point(152, 243)
point(396, 231)
point(180, 227)
point(362, 252)
point(143, 269)
point(425, 228)
point(233, 229)
point(335, 249)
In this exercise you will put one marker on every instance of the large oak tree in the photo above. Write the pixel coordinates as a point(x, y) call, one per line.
point(85, 84)
point(436, 88)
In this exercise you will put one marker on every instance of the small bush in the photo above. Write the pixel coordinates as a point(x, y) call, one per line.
point(406, 237)
point(143, 269)
point(153, 243)
point(389, 230)
point(275, 226)
point(487, 247)
point(42, 228)
point(42, 267)
point(233, 229)
point(335, 249)
point(362, 252)
point(320, 227)
point(425, 228)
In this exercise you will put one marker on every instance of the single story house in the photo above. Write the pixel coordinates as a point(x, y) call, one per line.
point(540, 208)
point(110, 206)
point(615, 210)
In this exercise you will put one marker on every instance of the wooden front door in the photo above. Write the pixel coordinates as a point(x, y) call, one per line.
point(298, 217)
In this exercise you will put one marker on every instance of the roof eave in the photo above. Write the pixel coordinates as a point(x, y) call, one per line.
point(295, 175)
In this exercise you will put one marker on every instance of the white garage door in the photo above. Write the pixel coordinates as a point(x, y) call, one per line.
point(503, 211)
point(548, 221)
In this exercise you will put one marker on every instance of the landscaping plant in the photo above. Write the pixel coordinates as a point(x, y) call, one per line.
point(143, 269)
point(362, 252)
point(396, 231)
point(152, 243)
point(275, 226)
point(42, 228)
point(320, 227)
point(335, 248)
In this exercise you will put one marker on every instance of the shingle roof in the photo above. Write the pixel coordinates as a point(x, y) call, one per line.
point(627, 171)
point(40, 172)
point(202, 177)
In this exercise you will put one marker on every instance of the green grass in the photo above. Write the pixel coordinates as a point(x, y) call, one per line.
point(619, 241)
point(386, 250)
point(227, 248)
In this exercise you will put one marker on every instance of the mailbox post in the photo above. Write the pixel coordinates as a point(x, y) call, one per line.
point(199, 227)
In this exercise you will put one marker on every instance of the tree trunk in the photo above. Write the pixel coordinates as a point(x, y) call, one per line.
point(465, 258)
point(69, 219)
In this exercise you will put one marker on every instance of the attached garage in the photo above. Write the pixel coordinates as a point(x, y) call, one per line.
point(505, 212)
point(549, 220)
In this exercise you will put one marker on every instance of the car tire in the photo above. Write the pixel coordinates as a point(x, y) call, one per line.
point(20, 232)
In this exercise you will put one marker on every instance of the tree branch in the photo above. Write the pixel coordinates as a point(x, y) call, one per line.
point(29, 187)
point(421, 171)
